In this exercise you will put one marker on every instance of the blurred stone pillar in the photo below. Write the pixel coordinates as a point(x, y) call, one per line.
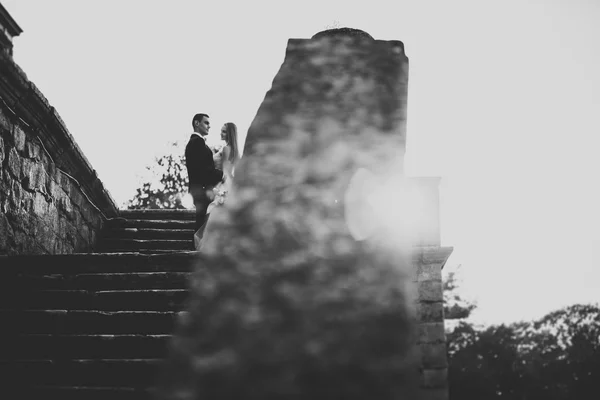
point(342, 81)
point(287, 300)
point(341, 77)
point(354, 85)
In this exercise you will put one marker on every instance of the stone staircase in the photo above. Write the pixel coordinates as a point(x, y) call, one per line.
point(95, 326)
point(150, 231)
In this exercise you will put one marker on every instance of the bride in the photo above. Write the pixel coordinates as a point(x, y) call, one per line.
point(226, 160)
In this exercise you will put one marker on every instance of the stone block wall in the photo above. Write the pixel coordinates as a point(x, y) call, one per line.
point(51, 201)
point(431, 339)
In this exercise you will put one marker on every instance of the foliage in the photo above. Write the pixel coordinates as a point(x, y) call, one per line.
point(456, 311)
point(168, 192)
point(166, 183)
point(456, 307)
point(555, 357)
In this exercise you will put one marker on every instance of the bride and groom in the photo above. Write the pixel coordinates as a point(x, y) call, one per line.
point(209, 174)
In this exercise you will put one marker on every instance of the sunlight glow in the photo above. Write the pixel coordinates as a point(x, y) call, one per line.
point(391, 207)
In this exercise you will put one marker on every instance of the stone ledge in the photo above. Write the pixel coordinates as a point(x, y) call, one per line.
point(426, 255)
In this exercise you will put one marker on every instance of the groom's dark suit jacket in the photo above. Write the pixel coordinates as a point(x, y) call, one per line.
point(200, 164)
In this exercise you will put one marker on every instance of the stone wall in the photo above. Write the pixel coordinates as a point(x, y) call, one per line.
point(51, 201)
point(431, 342)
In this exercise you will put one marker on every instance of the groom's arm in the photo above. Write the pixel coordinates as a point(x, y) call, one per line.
point(210, 174)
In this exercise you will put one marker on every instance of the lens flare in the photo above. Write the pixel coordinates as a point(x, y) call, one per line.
point(389, 207)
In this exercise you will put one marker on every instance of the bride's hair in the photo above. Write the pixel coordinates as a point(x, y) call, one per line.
point(231, 140)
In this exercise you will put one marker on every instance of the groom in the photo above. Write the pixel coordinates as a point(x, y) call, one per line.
point(202, 174)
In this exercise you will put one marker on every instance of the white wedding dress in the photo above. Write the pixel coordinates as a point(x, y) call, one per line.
point(220, 191)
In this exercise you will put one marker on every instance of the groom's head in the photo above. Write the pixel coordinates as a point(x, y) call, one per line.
point(201, 124)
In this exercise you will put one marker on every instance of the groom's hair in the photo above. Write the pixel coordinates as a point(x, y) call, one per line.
point(198, 117)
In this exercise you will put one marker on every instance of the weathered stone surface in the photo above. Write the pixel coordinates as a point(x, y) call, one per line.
point(65, 183)
point(40, 205)
point(431, 332)
point(430, 312)
point(88, 213)
point(435, 255)
point(428, 272)
point(49, 166)
point(14, 164)
point(13, 195)
point(84, 232)
point(430, 291)
point(1, 153)
point(4, 121)
point(287, 303)
point(433, 355)
point(54, 189)
point(348, 86)
point(6, 232)
point(26, 201)
point(33, 200)
point(3, 195)
point(62, 227)
point(434, 378)
point(45, 237)
point(70, 234)
point(32, 150)
point(18, 136)
point(34, 176)
point(77, 198)
point(52, 215)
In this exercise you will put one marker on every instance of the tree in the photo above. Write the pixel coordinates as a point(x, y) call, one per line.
point(457, 309)
point(456, 306)
point(556, 357)
point(568, 357)
point(166, 185)
point(170, 189)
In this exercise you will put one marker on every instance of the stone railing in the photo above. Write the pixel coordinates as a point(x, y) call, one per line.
point(51, 200)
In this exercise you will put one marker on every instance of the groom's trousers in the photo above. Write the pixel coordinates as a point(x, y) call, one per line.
point(201, 202)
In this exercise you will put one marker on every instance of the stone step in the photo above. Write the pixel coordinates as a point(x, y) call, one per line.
point(135, 373)
point(118, 245)
point(85, 393)
point(152, 233)
point(106, 300)
point(150, 223)
point(69, 322)
point(64, 347)
point(102, 281)
point(181, 261)
point(142, 252)
point(188, 215)
point(152, 252)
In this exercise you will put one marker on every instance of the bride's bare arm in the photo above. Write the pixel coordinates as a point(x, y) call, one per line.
point(227, 165)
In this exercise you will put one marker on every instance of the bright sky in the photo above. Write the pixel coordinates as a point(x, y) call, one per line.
point(504, 105)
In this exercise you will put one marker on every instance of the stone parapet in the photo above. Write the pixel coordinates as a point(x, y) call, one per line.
point(429, 302)
point(8, 30)
point(51, 200)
